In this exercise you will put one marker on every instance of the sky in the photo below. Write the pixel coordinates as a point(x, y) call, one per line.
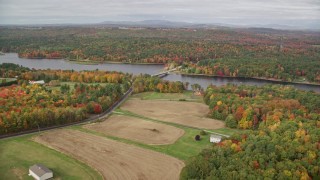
point(238, 12)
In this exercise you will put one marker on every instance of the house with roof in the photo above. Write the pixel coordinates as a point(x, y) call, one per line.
point(40, 172)
point(215, 138)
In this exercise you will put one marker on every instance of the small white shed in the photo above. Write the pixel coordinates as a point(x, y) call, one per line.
point(37, 82)
point(40, 172)
point(215, 138)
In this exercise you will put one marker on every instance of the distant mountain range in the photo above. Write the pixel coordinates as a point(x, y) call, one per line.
point(174, 24)
point(153, 24)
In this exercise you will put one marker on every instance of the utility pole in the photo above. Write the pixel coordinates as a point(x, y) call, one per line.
point(38, 127)
point(281, 44)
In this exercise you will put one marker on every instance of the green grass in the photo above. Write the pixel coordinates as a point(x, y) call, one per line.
point(186, 95)
point(7, 79)
point(186, 146)
point(71, 84)
point(19, 153)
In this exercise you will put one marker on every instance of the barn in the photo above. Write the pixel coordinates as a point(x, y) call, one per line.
point(40, 172)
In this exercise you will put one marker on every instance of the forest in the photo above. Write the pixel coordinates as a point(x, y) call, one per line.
point(281, 140)
point(68, 96)
point(144, 83)
point(291, 56)
point(26, 106)
point(246, 107)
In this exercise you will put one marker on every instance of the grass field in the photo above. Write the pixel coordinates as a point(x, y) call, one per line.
point(7, 80)
point(71, 84)
point(186, 95)
point(18, 153)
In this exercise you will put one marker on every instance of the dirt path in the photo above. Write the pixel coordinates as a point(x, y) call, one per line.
point(137, 130)
point(185, 113)
point(114, 160)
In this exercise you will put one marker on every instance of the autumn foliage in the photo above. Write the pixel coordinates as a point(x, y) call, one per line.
point(283, 142)
point(146, 83)
point(26, 106)
point(249, 106)
point(260, 53)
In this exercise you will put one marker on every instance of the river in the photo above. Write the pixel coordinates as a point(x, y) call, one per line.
point(140, 68)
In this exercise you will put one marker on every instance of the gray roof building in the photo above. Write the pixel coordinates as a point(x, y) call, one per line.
point(40, 172)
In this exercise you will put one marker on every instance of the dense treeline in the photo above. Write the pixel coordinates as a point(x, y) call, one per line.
point(76, 76)
point(289, 151)
point(145, 83)
point(284, 68)
point(285, 142)
point(281, 55)
point(247, 106)
point(28, 107)
point(10, 70)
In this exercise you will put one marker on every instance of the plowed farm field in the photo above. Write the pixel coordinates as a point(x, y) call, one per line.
point(186, 113)
point(114, 160)
point(136, 129)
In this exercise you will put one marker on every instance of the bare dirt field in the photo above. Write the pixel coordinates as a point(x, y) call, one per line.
point(185, 113)
point(114, 160)
point(137, 130)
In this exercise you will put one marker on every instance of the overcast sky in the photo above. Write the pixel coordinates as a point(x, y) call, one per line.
point(241, 12)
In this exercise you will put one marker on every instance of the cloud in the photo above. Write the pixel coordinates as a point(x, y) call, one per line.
point(202, 11)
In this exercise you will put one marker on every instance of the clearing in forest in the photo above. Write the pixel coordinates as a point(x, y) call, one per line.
point(186, 113)
point(136, 129)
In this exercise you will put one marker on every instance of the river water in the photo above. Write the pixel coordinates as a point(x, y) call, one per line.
point(139, 68)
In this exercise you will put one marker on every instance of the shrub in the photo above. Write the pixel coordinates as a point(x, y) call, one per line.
point(197, 137)
point(231, 122)
point(54, 83)
point(203, 133)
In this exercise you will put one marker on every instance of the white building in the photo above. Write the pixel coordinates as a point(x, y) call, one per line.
point(215, 138)
point(36, 82)
point(40, 172)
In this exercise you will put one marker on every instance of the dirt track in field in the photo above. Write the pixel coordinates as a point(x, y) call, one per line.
point(137, 130)
point(185, 113)
point(114, 160)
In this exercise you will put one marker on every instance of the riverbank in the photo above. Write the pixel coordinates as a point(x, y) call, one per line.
point(37, 57)
point(84, 62)
point(89, 62)
point(253, 78)
point(138, 63)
